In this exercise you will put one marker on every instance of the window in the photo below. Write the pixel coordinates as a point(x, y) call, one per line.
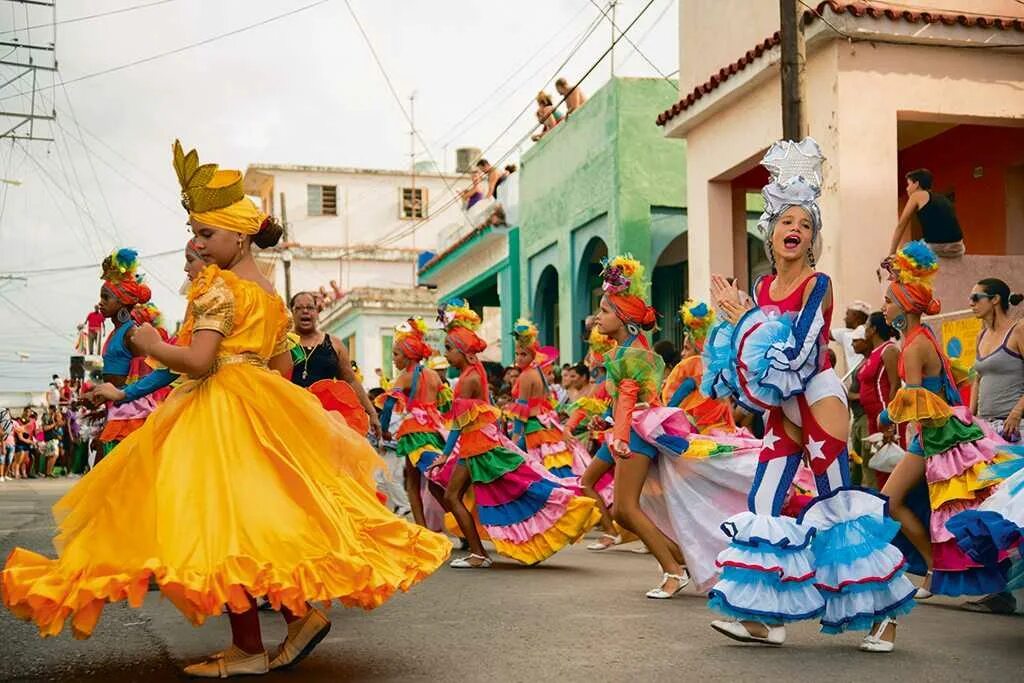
point(321, 200)
point(413, 203)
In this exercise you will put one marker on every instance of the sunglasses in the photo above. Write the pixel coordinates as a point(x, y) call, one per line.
point(978, 296)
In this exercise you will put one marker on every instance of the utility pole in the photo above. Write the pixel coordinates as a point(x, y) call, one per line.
point(794, 61)
point(286, 257)
point(611, 54)
point(412, 159)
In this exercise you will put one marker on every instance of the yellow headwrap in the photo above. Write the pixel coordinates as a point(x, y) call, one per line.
point(242, 216)
point(215, 197)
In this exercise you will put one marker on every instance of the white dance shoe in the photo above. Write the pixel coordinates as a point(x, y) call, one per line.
point(468, 562)
point(873, 642)
point(736, 630)
point(660, 593)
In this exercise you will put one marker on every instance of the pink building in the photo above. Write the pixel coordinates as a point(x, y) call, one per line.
point(890, 87)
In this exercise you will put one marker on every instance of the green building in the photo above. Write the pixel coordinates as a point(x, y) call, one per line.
point(601, 183)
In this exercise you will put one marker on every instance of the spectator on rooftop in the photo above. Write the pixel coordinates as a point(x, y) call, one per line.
point(547, 114)
point(939, 225)
point(574, 97)
point(493, 175)
point(472, 194)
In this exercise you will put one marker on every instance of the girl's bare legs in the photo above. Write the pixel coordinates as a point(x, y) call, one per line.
point(630, 474)
point(908, 474)
point(595, 470)
point(413, 482)
point(457, 487)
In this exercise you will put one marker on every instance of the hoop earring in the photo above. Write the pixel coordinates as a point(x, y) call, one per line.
point(633, 329)
point(900, 323)
point(123, 316)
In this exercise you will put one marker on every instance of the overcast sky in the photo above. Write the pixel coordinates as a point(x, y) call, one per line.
point(301, 89)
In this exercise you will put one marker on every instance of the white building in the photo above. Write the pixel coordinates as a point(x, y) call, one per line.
point(356, 235)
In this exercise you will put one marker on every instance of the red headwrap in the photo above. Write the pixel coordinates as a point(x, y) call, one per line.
point(414, 348)
point(466, 340)
point(128, 292)
point(915, 297)
point(633, 309)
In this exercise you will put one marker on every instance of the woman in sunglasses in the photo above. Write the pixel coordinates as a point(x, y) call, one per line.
point(997, 395)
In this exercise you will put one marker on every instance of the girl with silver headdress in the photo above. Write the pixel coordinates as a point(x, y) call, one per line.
point(834, 561)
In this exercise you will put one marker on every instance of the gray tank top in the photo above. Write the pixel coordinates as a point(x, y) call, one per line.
point(1000, 380)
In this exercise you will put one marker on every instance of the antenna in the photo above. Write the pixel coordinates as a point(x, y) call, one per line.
point(22, 63)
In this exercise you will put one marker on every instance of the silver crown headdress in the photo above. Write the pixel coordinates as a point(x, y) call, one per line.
point(795, 169)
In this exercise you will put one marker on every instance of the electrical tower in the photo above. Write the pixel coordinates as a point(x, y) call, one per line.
point(28, 69)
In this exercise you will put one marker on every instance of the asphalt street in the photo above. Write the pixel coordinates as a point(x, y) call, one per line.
point(581, 616)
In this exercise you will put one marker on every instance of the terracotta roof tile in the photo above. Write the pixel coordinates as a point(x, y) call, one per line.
point(856, 9)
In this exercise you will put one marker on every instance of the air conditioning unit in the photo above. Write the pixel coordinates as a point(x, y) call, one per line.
point(465, 158)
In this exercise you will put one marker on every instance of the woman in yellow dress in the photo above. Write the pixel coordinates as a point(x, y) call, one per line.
point(239, 486)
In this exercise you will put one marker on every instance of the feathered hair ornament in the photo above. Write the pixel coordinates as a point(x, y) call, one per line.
point(624, 275)
point(410, 338)
point(525, 333)
point(697, 318)
point(203, 186)
point(457, 313)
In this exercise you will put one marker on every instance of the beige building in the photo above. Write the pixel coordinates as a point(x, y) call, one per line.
point(357, 237)
point(890, 87)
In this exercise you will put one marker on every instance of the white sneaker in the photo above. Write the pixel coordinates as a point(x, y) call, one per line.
point(737, 631)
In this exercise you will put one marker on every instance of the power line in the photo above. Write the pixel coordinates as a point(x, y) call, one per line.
point(190, 46)
point(401, 107)
point(90, 16)
point(87, 266)
point(562, 101)
point(636, 47)
point(13, 304)
point(450, 134)
point(650, 29)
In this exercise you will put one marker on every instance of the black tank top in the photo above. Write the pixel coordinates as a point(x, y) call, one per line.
point(320, 362)
point(938, 221)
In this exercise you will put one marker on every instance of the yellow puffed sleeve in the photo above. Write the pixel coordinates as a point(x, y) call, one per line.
point(214, 308)
point(286, 339)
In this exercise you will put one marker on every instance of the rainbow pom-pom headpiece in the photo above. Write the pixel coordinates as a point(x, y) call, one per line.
point(915, 262)
point(624, 275)
point(698, 318)
point(525, 333)
point(121, 266)
point(457, 313)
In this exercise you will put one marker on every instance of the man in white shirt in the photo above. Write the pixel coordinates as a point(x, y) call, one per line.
point(855, 319)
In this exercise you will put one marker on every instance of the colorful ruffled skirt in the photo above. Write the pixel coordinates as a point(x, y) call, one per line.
point(835, 562)
point(527, 513)
point(546, 445)
point(238, 485)
point(957, 454)
point(695, 483)
point(421, 438)
point(995, 528)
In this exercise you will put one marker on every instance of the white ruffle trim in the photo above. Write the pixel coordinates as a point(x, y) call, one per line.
point(788, 566)
point(781, 532)
point(844, 505)
point(877, 567)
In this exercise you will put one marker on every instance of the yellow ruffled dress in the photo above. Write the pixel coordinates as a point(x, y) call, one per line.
point(240, 483)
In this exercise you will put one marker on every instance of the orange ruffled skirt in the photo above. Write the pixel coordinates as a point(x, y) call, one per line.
point(238, 485)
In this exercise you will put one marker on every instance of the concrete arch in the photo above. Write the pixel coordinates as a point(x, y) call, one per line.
point(545, 306)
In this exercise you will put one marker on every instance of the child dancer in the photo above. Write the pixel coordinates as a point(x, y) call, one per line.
point(835, 561)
